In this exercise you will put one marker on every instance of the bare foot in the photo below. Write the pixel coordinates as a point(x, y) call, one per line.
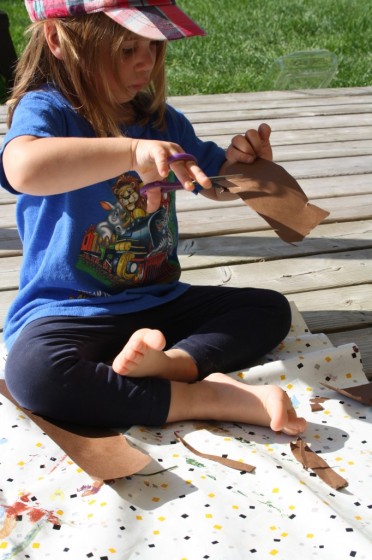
point(219, 397)
point(143, 356)
point(263, 405)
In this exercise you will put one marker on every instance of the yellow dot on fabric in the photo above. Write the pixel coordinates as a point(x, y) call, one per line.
point(358, 518)
point(348, 376)
point(350, 463)
point(282, 377)
point(21, 463)
point(284, 535)
point(274, 552)
point(227, 439)
point(39, 444)
point(90, 515)
point(240, 375)
point(310, 536)
point(292, 507)
point(218, 527)
point(161, 518)
point(328, 359)
point(273, 528)
point(79, 470)
point(139, 517)
point(112, 550)
point(309, 389)
point(155, 499)
point(235, 507)
point(342, 470)
point(4, 544)
point(92, 502)
point(164, 486)
point(188, 481)
point(316, 436)
point(289, 386)
point(175, 455)
point(156, 532)
point(275, 490)
point(338, 459)
point(103, 504)
point(60, 512)
point(35, 545)
point(208, 516)
point(327, 412)
point(211, 495)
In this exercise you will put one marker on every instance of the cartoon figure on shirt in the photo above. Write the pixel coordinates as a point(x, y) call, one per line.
point(130, 247)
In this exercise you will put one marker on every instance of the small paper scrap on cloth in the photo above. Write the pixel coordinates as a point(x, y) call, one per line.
point(238, 465)
point(104, 454)
point(310, 460)
point(276, 196)
point(316, 403)
point(360, 393)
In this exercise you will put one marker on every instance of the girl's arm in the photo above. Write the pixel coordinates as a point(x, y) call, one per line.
point(46, 166)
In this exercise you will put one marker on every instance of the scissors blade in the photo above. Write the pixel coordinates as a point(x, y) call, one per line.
point(219, 177)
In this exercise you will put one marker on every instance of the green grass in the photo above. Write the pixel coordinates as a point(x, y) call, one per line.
point(246, 36)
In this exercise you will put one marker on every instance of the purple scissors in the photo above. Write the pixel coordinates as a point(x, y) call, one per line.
point(175, 185)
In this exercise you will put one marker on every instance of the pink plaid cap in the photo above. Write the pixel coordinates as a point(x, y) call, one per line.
point(153, 19)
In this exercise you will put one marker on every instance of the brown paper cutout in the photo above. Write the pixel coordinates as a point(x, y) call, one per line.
point(360, 393)
point(310, 460)
point(104, 454)
point(276, 196)
point(315, 403)
point(222, 460)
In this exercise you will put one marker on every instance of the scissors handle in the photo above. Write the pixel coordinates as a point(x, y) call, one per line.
point(167, 186)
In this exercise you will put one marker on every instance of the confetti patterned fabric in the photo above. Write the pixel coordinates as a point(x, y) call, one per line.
point(183, 507)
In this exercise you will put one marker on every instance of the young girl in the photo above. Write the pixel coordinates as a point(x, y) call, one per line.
point(102, 332)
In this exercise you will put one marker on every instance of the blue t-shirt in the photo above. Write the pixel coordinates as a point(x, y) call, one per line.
point(95, 251)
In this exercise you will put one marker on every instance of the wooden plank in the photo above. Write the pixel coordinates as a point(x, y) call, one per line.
point(363, 111)
point(248, 103)
point(6, 299)
point(294, 123)
point(203, 252)
point(10, 243)
point(267, 96)
point(280, 138)
point(9, 273)
point(237, 219)
point(335, 309)
point(289, 276)
point(301, 152)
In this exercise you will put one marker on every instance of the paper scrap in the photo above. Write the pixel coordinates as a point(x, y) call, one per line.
point(276, 196)
point(360, 393)
point(104, 454)
point(310, 460)
point(238, 465)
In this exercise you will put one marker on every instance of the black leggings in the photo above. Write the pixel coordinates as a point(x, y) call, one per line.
point(59, 366)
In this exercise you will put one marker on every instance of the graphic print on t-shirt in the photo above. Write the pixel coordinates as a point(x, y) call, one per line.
point(130, 247)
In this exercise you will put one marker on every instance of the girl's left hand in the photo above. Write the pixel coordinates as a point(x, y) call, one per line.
point(254, 144)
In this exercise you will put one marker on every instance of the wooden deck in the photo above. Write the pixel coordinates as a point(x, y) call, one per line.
point(324, 139)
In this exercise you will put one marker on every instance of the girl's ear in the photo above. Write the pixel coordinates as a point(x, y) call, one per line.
point(51, 36)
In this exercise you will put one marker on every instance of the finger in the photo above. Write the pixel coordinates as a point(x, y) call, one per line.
point(153, 200)
point(264, 130)
point(186, 171)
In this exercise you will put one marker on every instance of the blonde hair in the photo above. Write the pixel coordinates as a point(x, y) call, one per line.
point(80, 75)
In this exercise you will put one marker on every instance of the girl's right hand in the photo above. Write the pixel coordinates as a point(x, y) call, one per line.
point(150, 160)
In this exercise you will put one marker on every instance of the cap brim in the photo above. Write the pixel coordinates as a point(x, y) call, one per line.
point(157, 23)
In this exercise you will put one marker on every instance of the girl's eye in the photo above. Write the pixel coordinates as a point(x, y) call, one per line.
point(127, 52)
